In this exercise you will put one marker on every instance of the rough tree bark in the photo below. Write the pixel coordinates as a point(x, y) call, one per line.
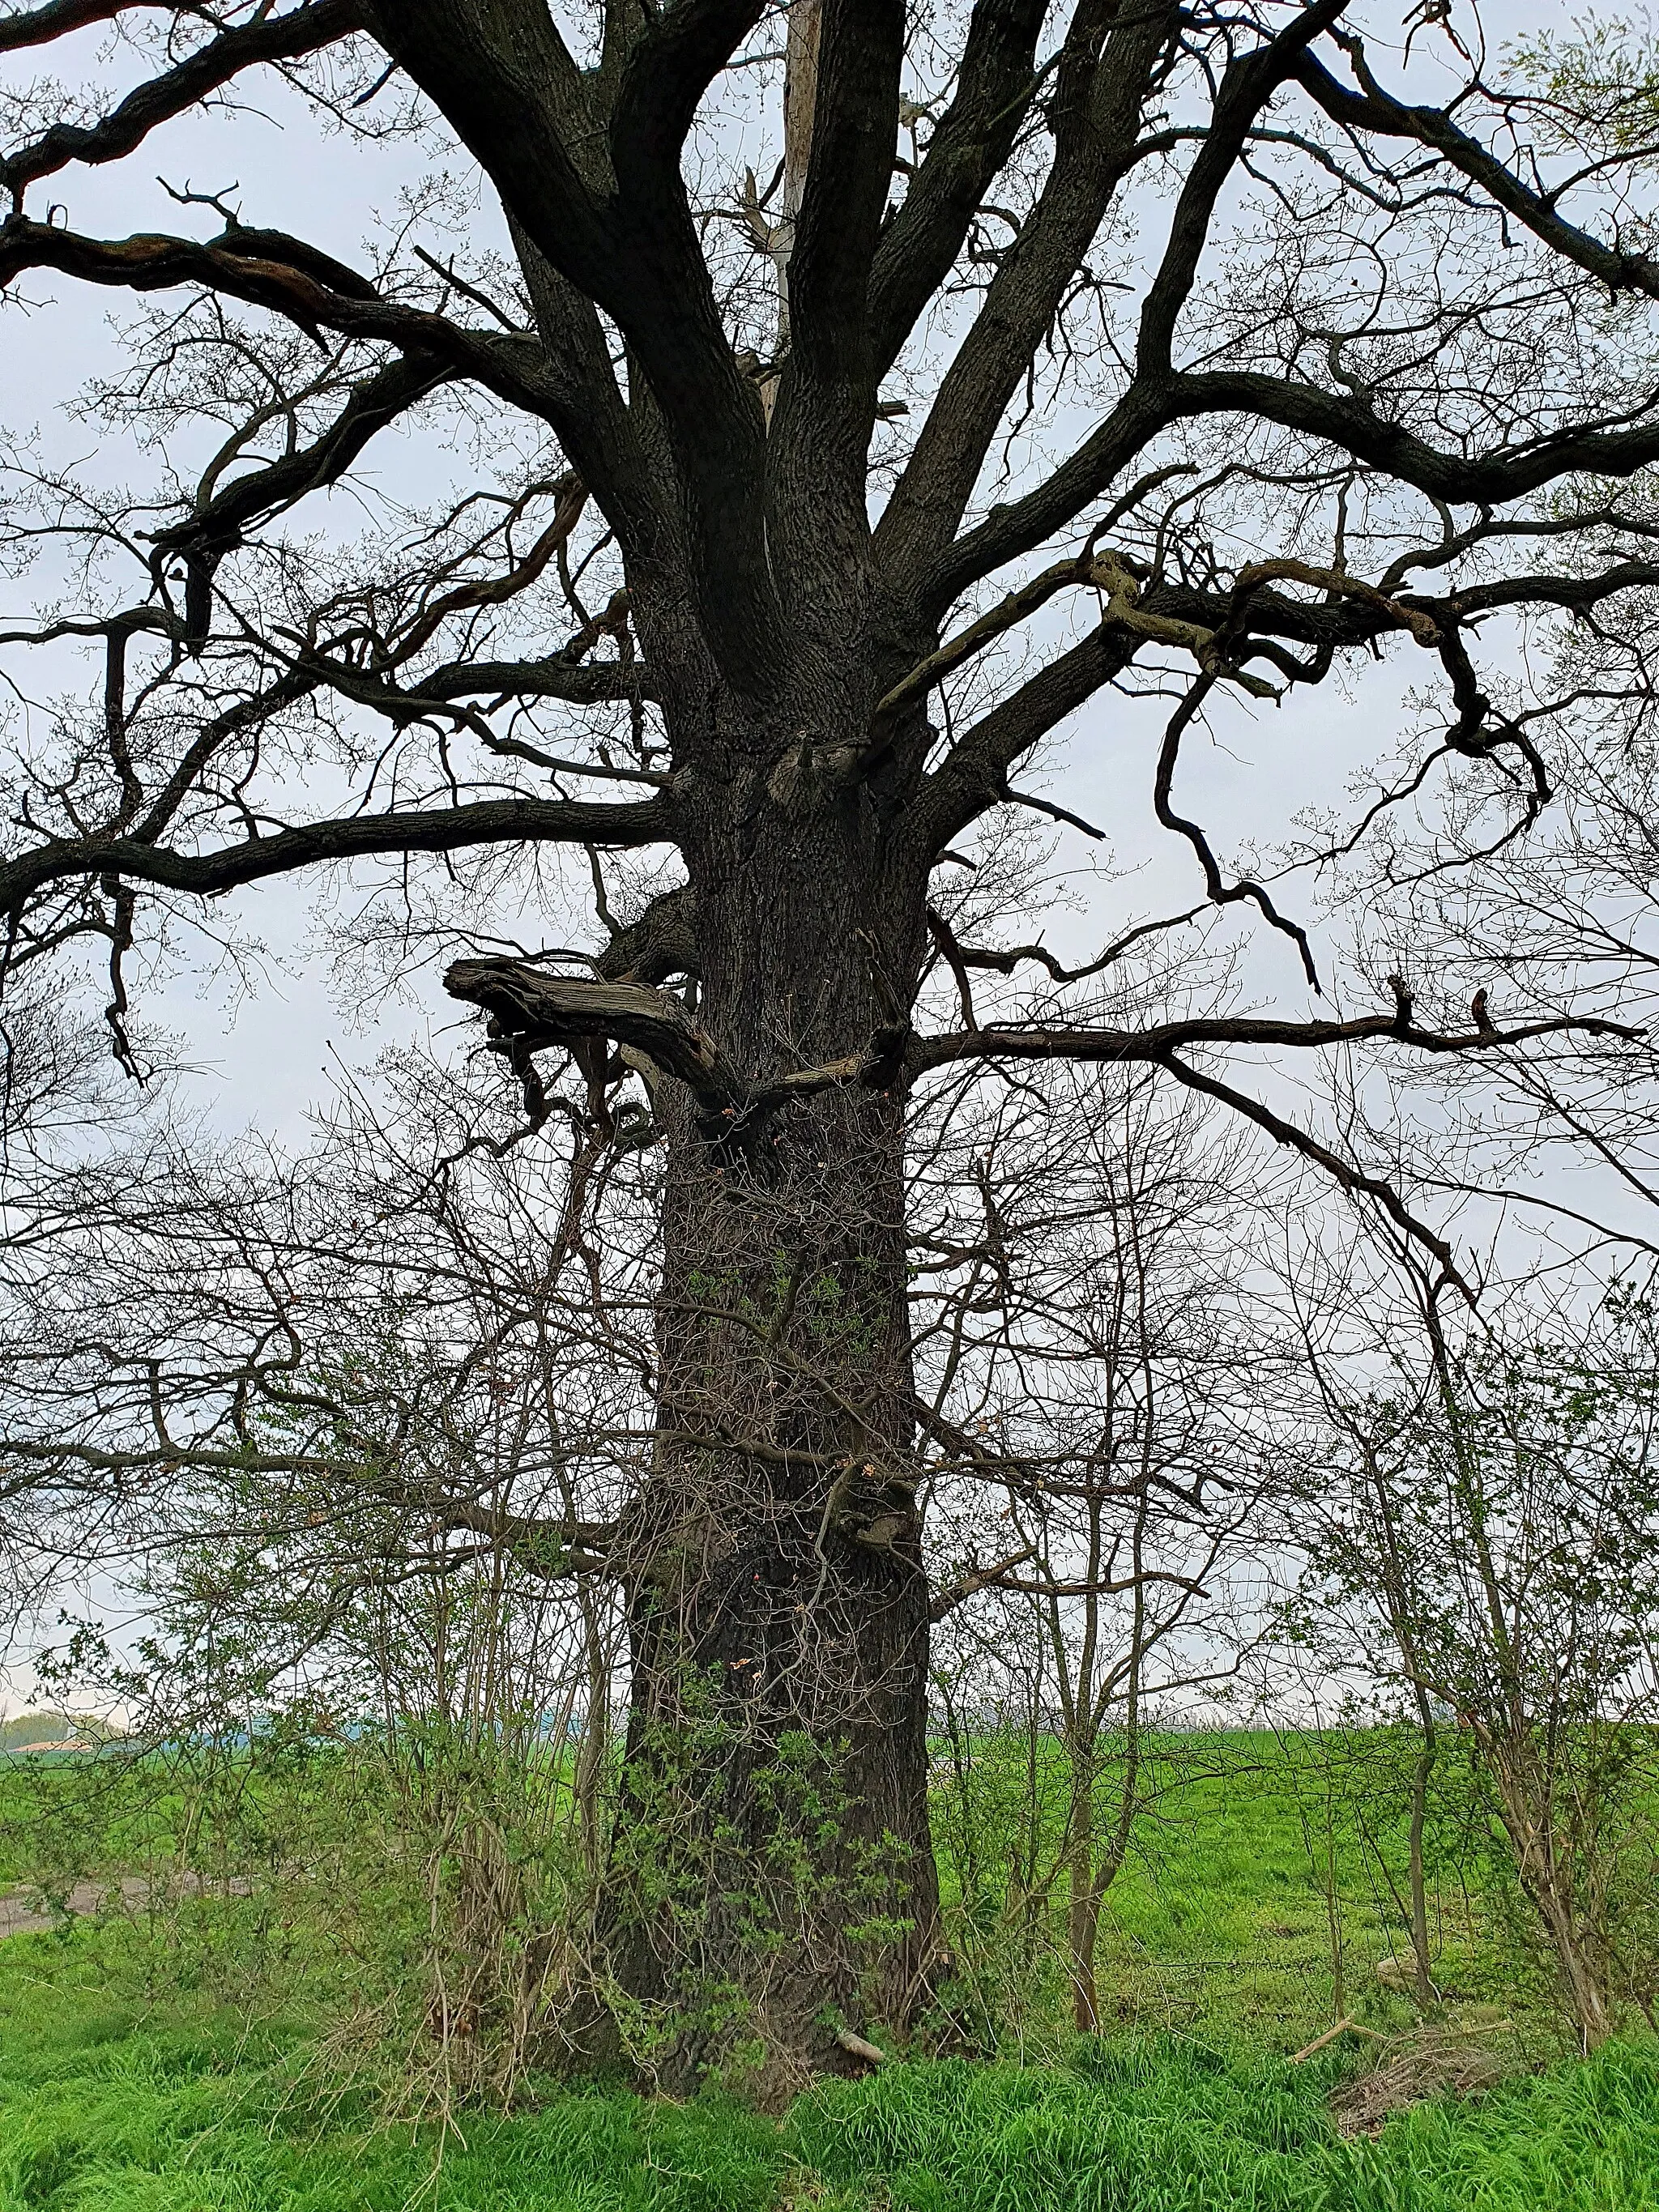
point(776, 1590)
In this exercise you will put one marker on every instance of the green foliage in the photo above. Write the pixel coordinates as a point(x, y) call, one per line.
point(331, 1881)
point(397, 1892)
point(1220, 1920)
point(1496, 1533)
point(1595, 84)
point(732, 1875)
point(107, 2108)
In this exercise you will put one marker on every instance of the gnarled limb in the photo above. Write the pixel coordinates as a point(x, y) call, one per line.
point(601, 196)
point(531, 1009)
point(556, 1546)
point(995, 85)
point(826, 397)
point(153, 262)
point(1373, 109)
point(38, 26)
point(661, 943)
point(535, 1010)
point(1106, 69)
point(1057, 1041)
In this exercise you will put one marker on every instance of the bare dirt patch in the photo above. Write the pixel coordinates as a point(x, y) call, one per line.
point(27, 1912)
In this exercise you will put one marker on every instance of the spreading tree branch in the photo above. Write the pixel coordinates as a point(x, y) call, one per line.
point(417, 829)
point(267, 38)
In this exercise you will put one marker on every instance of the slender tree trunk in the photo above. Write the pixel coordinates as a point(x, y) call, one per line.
point(1082, 1919)
point(1396, 1598)
point(1422, 1769)
point(773, 1872)
point(1582, 1984)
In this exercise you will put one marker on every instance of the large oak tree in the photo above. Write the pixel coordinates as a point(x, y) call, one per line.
point(895, 383)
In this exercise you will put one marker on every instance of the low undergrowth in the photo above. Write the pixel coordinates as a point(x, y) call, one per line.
point(199, 2122)
point(189, 2056)
point(1162, 2125)
point(106, 2109)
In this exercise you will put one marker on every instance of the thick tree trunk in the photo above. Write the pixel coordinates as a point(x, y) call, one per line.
point(772, 1878)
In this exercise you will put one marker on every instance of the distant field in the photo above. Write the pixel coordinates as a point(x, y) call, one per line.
point(1248, 1887)
point(128, 2083)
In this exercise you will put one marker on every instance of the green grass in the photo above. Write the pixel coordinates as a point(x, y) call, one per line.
point(1162, 2125)
point(1218, 1922)
point(114, 2114)
point(168, 2120)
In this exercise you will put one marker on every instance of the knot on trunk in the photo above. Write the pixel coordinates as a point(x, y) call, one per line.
point(806, 774)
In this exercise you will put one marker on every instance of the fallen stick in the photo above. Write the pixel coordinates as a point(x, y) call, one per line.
point(858, 2046)
point(1350, 2025)
point(1320, 2041)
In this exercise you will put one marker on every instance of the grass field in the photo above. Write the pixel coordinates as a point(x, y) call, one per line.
point(105, 2111)
point(130, 2083)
